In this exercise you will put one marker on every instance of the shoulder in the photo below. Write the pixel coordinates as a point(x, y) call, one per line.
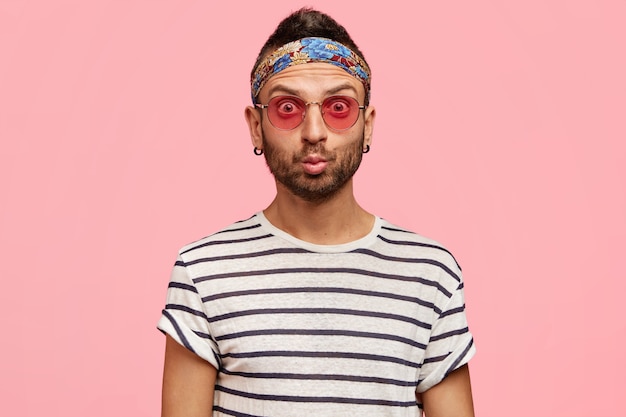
point(236, 234)
point(408, 243)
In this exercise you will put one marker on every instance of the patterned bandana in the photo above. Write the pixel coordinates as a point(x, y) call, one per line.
point(308, 50)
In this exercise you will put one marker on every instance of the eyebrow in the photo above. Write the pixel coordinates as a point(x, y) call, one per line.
point(295, 92)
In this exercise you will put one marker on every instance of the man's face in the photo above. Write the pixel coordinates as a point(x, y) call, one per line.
point(312, 161)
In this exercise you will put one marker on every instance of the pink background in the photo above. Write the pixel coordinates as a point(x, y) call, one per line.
point(500, 132)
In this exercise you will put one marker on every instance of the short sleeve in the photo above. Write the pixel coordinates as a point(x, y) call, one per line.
point(184, 317)
point(451, 344)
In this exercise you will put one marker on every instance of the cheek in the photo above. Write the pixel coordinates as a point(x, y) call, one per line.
point(277, 144)
point(352, 140)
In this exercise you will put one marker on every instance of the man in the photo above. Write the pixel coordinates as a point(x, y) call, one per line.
point(314, 307)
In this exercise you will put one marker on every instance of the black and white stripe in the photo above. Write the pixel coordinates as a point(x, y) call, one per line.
point(303, 329)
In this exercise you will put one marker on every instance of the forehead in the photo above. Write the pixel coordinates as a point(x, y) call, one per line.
point(311, 81)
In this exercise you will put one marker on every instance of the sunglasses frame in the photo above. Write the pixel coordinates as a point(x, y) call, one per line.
point(306, 107)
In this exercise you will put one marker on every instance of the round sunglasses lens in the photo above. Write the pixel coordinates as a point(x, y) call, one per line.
point(286, 112)
point(340, 112)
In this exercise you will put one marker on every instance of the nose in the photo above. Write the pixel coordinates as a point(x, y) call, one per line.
point(313, 126)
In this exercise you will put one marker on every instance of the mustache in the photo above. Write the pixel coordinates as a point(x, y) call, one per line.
point(318, 149)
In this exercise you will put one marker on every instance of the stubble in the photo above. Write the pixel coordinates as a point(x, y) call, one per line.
point(342, 165)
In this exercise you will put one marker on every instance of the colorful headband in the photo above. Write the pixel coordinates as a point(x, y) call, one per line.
point(308, 50)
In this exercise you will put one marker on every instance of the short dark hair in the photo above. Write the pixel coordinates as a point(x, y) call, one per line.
point(304, 23)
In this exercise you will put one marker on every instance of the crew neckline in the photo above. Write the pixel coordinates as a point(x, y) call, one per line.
point(363, 242)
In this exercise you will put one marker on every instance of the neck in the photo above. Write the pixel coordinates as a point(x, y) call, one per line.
point(339, 219)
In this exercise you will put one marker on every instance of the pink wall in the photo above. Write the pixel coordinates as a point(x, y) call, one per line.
point(501, 133)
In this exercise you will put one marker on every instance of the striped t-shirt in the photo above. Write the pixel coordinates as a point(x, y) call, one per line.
point(298, 329)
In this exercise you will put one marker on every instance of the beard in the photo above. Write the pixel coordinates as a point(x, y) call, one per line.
point(288, 171)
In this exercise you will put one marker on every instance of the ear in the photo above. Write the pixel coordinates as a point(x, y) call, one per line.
point(253, 118)
point(370, 116)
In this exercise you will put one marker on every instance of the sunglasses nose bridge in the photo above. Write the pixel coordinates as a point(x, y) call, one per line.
point(319, 105)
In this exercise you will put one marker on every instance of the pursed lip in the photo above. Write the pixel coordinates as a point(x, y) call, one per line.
point(314, 164)
point(313, 159)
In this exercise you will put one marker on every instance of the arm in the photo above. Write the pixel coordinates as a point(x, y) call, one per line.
point(452, 397)
point(188, 383)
